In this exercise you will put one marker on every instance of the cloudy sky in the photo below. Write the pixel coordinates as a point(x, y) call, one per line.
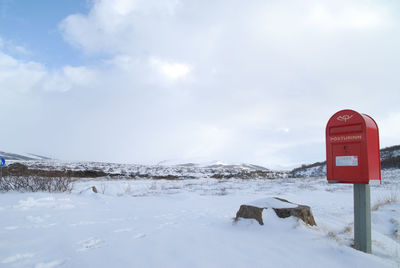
point(142, 81)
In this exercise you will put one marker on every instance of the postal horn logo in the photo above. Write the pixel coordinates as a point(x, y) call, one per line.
point(344, 117)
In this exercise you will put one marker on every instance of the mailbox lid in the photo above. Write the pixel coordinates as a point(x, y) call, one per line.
point(345, 118)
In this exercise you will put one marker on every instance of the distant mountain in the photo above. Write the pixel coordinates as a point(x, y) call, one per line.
point(214, 165)
point(131, 171)
point(22, 157)
point(314, 170)
point(243, 166)
point(390, 158)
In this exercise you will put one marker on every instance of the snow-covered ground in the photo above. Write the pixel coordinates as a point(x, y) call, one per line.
point(189, 223)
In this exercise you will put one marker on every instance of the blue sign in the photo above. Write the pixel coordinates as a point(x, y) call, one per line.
point(2, 161)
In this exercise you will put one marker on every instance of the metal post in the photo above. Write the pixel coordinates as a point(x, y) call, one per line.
point(362, 217)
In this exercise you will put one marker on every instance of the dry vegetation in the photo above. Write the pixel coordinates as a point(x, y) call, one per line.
point(391, 198)
point(35, 184)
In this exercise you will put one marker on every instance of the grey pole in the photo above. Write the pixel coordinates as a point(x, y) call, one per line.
point(362, 217)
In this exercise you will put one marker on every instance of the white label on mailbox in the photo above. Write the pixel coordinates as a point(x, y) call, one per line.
point(347, 161)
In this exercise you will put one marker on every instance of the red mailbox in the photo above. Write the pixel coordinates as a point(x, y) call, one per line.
point(352, 148)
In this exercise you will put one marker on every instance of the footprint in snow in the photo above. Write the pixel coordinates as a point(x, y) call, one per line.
point(166, 224)
point(10, 228)
point(82, 223)
point(138, 236)
point(17, 257)
point(123, 230)
point(51, 264)
point(90, 243)
point(34, 219)
point(40, 221)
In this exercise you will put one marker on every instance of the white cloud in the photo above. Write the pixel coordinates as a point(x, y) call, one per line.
point(349, 16)
point(19, 76)
point(68, 78)
point(389, 127)
point(24, 76)
point(170, 70)
point(80, 75)
point(9, 46)
point(113, 26)
point(208, 140)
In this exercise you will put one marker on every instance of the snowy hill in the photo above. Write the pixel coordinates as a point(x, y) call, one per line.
point(390, 158)
point(54, 168)
point(31, 164)
point(213, 165)
point(22, 157)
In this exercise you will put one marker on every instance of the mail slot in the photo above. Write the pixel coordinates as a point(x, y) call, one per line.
point(352, 148)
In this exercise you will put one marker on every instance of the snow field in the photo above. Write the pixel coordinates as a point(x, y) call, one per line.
point(188, 223)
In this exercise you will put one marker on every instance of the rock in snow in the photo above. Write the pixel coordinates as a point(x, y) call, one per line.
point(282, 208)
